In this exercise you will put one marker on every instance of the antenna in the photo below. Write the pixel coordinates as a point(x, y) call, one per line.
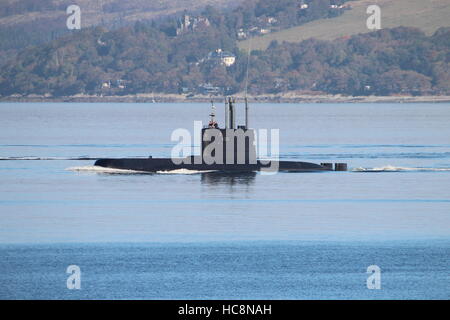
point(246, 113)
point(227, 114)
point(233, 117)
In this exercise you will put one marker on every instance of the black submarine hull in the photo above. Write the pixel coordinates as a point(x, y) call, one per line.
point(167, 164)
point(236, 144)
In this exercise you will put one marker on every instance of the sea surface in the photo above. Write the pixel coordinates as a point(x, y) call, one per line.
point(187, 235)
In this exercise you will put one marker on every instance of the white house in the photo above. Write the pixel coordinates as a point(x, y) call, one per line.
point(223, 57)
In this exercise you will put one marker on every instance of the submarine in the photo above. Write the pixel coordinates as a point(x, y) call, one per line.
point(230, 149)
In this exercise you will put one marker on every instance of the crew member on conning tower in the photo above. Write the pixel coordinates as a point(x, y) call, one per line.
point(212, 122)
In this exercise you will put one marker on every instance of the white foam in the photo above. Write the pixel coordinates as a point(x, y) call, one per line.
point(33, 158)
point(99, 169)
point(184, 171)
point(46, 158)
point(390, 168)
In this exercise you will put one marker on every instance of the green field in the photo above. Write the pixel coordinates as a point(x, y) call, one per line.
point(427, 15)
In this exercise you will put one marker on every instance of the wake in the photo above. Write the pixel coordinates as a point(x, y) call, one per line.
point(98, 169)
point(46, 158)
point(184, 171)
point(390, 168)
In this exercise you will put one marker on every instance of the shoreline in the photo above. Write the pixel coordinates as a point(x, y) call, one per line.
point(270, 98)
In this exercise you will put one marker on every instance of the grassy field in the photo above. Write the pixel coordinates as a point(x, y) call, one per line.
point(427, 15)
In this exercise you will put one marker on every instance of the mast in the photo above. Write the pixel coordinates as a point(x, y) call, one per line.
point(246, 84)
point(227, 114)
point(246, 113)
point(212, 121)
point(232, 116)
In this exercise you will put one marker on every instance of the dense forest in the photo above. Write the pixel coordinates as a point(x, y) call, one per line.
point(391, 61)
point(168, 57)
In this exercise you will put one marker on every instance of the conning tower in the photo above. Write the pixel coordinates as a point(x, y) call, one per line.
point(235, 143)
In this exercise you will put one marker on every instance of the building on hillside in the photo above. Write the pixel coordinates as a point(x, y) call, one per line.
point(188, 23)
point(209, 89)
point(114, 84)
point(184, 24)
point(222, 57)
point(121, 84)
point(266, 21)
point(241, 34)
point(106, 85)
point(200, 22)
point(271, 20)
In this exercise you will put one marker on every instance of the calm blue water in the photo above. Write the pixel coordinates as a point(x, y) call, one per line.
point(164, 236)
